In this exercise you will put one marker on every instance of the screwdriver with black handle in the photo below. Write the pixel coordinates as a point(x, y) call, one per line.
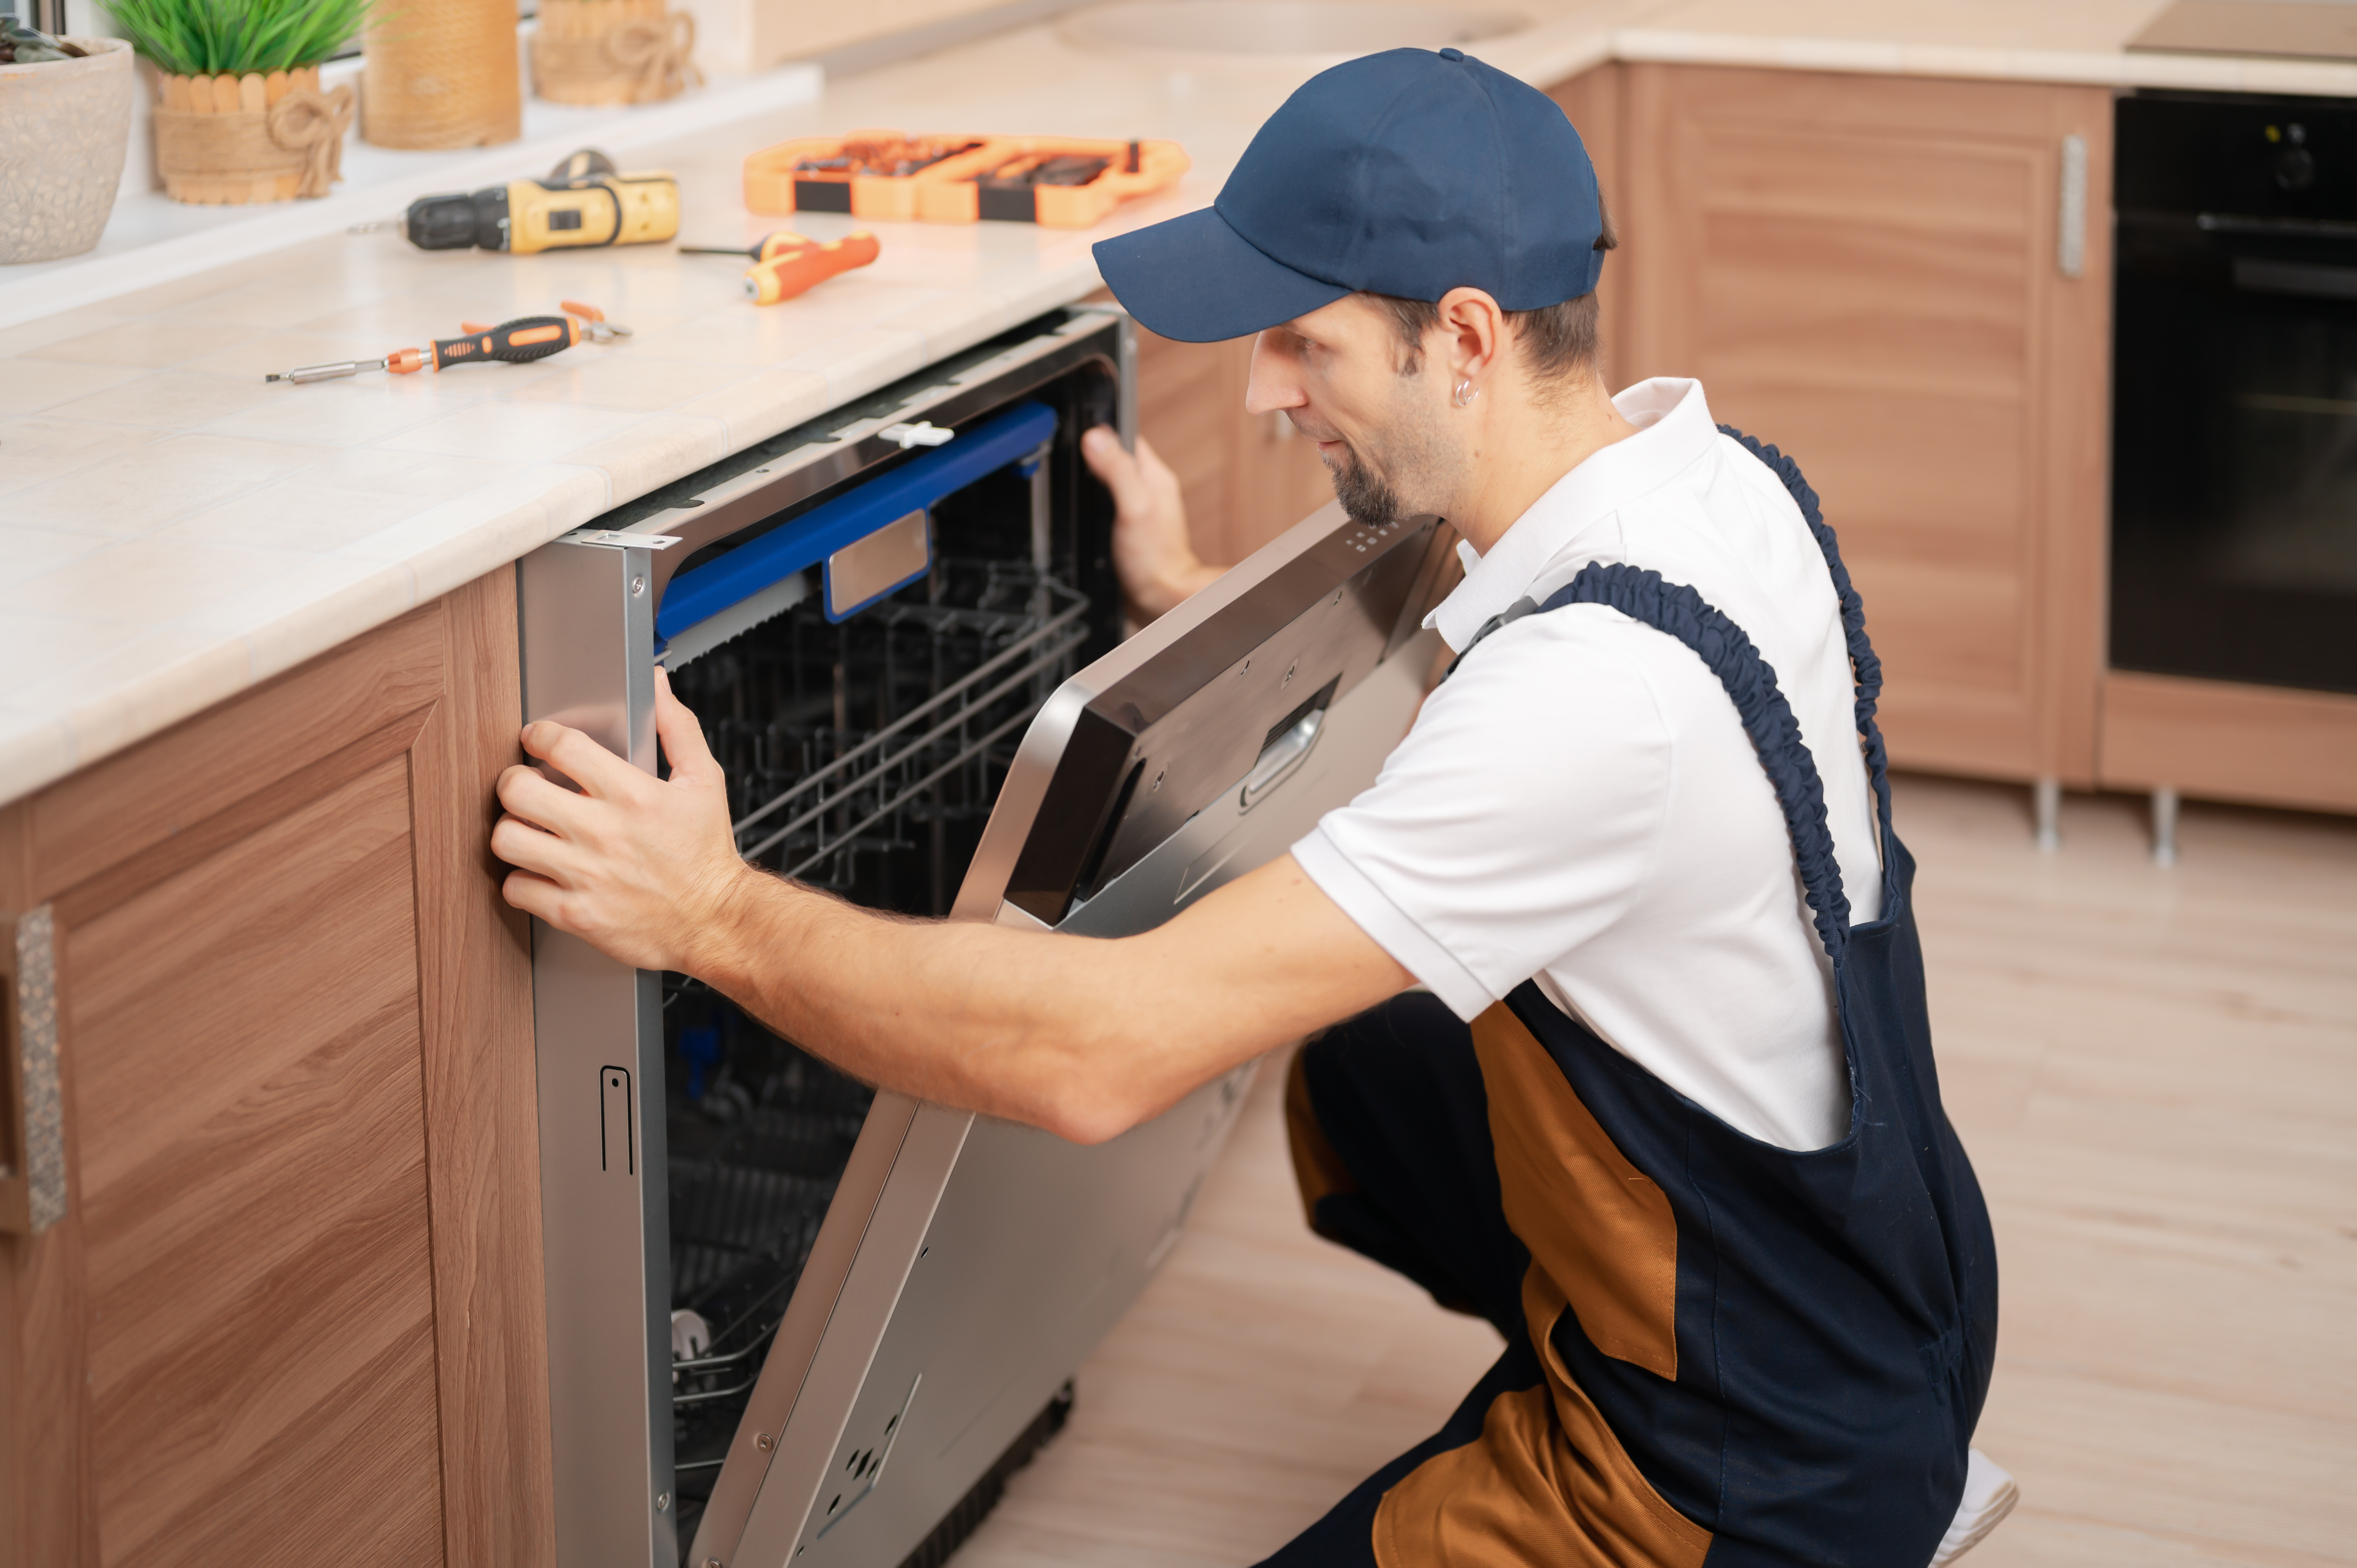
point(520, 341)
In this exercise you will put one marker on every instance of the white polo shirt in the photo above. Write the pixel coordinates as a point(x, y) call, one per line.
point(1579, 803)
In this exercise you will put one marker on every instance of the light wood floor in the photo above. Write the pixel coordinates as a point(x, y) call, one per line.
point(2156, 1073)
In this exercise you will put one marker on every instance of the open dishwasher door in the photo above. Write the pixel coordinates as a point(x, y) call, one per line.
point(966, 1267)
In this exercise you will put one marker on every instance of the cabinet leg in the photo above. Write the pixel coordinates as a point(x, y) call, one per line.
point(2164, 825)
point(2046, 801)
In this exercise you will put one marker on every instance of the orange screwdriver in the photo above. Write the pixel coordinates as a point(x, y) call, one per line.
point(519, 341)
point(791, 269)
point(786, 263)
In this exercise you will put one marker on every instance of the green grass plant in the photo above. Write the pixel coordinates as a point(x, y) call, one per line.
point(230, 37)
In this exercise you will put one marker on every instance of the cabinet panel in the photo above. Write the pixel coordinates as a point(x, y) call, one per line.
point(294, 1310)
point(1864, 272)
point(253, 1202)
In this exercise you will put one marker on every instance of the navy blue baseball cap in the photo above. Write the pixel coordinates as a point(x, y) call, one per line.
point(1406, 173)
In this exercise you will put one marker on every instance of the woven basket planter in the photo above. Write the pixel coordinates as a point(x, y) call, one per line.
point(249, 139)
point(441, 73)
point(612, 51)
point(64, 127)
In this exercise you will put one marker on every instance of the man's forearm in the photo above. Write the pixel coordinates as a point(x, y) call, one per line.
point(1083, 1036)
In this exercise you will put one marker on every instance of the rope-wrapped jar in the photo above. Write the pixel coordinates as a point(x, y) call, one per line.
point(249, 139)
point(441, 73)
point(612, 51)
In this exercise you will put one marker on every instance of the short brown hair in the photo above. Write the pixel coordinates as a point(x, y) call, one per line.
point(1559, 339)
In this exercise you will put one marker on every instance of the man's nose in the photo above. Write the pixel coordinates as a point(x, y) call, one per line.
point(1274, 385)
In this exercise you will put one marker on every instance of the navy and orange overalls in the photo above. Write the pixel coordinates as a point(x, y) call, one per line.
point(1718, 1351)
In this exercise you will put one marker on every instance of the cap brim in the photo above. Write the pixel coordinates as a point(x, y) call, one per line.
point(1199, 281)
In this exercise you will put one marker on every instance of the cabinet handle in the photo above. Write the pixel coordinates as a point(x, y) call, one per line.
point(2071, 228)
point(33, 1186)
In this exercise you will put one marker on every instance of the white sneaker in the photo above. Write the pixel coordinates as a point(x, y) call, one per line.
point(1989, 1495)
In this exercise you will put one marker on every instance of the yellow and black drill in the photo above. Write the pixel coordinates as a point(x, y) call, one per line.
point(584, 201)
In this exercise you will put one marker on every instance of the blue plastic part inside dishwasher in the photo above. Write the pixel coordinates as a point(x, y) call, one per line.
point(704, 592)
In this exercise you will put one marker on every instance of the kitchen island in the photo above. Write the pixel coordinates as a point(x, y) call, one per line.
point(270, 1132)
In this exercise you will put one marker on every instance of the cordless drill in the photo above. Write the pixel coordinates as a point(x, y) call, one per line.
point(584, 201)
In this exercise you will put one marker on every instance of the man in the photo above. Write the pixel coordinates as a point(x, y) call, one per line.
point(1689, 1156)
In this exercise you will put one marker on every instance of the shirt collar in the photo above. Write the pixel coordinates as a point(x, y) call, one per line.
point(1673, 429)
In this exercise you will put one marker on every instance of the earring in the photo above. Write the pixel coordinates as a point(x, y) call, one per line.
point(1465, 394)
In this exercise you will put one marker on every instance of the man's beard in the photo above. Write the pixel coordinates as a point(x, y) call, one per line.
point(1412, 465)
point(1362, 492)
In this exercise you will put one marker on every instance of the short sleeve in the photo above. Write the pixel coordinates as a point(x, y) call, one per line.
point(1519, 817)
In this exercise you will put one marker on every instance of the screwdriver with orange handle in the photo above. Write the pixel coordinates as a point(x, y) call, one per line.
point(526, 339)
point(786, 263)
point(789, 270)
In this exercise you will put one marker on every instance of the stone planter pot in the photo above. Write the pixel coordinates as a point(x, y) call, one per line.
point(612, 51)
point(222, 139)
point(64, 127)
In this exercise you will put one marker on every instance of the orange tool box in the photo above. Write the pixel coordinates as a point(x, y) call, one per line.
point(1062, 182)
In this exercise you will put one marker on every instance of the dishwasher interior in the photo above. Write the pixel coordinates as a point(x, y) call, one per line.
point(792, 1319)
point(863, 757)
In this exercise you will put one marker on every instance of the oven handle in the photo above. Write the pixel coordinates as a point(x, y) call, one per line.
point(2299, 279)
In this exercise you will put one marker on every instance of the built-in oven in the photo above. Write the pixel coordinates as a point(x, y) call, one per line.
point(2234, 390)
point(791, 1319)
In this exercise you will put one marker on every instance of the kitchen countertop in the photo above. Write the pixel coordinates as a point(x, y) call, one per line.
point(183, 531)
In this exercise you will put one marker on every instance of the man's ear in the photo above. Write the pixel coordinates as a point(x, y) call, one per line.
point(1473, 335)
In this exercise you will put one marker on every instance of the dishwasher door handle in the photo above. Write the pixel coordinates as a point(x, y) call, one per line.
point(1281, 757)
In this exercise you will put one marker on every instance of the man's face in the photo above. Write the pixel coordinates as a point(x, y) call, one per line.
point(1381, 430)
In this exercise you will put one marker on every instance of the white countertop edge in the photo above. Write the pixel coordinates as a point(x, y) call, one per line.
point(483, 531)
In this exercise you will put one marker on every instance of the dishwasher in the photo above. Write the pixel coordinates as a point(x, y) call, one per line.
point(791, 1319)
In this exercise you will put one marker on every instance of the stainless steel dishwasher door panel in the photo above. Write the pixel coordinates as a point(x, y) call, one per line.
point(1036, 1246)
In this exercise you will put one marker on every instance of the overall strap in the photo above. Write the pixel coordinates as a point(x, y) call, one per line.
point(1866, 669)
point(1750, 684)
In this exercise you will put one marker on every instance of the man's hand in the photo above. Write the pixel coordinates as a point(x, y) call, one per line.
point(1151, 553)
point(645, 869)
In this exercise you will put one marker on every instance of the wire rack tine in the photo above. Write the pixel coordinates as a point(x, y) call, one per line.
point(907, 794)
point(1071, 614)
point(963, 716)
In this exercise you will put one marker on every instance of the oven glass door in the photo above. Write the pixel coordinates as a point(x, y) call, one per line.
point(2234, 475)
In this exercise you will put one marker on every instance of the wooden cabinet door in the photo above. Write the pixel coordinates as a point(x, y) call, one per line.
point(291, 1313)
point(1865, 272)
point(1246, 478)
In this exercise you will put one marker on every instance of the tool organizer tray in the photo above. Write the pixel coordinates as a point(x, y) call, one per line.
point(1058, 182)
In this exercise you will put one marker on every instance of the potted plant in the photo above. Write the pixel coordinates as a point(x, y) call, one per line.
point(239, 113)
point(65, 122)
point(612, 51)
